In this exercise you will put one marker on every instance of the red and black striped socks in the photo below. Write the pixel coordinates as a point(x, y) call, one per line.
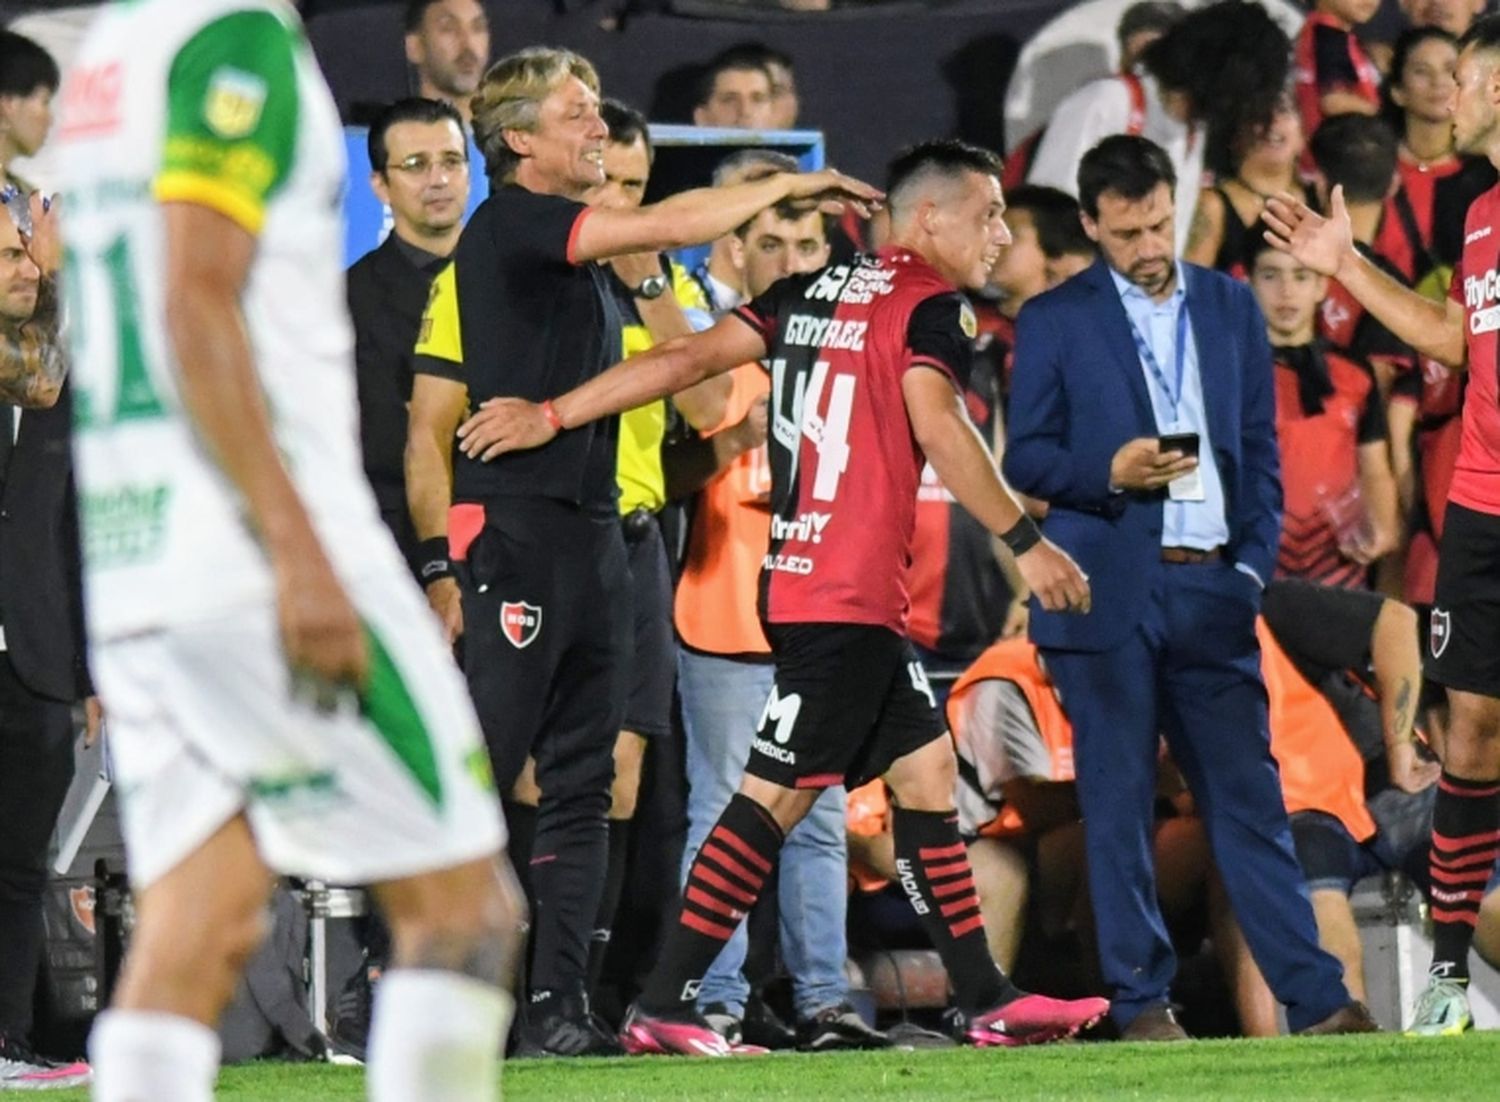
point(933, 865)
point(722, 885)
point(1465, 845)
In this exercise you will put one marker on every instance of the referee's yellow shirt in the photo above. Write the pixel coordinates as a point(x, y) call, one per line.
point(638, 467)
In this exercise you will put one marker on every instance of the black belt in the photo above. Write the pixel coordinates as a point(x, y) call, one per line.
point(1179, 555)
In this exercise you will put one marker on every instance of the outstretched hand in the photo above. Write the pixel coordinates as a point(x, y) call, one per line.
point(504, 425)
point(1312, 240)
point(831, 192)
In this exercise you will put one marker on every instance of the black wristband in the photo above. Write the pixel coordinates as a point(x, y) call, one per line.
point(1022, 536)
point(432, 562)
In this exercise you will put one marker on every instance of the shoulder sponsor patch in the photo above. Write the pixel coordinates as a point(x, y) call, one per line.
point(233, 105)
point(967, 321)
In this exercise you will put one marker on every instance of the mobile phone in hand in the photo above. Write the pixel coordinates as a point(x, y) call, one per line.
point(1184, 442)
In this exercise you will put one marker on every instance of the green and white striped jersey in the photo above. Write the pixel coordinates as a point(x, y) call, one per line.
point(218, 103)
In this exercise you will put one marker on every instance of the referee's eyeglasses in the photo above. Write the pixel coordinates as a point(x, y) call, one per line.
point(420, 165)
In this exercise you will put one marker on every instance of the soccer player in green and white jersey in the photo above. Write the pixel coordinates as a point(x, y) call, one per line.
point(280, 698)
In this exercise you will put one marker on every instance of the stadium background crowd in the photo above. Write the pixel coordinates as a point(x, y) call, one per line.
point(1366, 428)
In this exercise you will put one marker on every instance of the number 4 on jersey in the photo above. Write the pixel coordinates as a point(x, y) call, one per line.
point(828, 431)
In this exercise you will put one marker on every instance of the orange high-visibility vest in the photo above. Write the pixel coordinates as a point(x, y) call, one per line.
point(1320, 768)
point(1015, 660)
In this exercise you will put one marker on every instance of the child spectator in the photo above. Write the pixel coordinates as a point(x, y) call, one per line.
point(1334, 75)
point(1340, 511)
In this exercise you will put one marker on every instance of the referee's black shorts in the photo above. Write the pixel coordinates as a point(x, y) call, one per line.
point(1464, 637)
point(653, 658)
point(547, 637)
point(848, 701)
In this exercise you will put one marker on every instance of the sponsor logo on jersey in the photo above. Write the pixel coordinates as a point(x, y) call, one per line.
point(1440, 634)
point(771, 750)
point(690, 990)
point(854, 286)
point(1481, 290)
point(91, 102)
point(788, 564)
point(967, 321)
point(81, 903)
point(1478, 235)
point(520, 623)
point(909, 885)
point(807, 528)
point(233, 105)
point(810, 332)
point(782, 711)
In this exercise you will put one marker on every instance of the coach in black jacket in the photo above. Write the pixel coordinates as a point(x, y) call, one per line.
point(42, 670)
point(419, 168)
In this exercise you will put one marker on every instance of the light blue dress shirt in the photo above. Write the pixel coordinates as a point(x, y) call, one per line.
point(1198, 524)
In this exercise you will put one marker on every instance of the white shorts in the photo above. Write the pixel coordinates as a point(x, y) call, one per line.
point(203, 726)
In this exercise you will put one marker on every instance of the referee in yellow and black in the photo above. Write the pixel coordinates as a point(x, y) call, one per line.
point(526, 311)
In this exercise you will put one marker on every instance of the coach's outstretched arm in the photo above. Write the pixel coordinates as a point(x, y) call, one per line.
point(511, 424)
point(1326, 245)
point(705, 214)
point(958, 454)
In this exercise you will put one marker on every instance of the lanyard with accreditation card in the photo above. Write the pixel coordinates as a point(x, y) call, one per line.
point(1188, 487)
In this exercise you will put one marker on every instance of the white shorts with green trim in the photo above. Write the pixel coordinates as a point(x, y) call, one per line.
point(203, 725)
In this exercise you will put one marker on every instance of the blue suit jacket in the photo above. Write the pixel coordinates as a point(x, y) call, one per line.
point(1078, 394)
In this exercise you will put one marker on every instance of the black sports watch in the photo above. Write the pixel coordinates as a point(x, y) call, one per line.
point(651, 287)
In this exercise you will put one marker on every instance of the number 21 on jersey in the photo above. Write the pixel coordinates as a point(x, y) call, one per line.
point(798, 415)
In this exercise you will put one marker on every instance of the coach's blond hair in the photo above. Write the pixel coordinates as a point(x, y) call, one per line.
point(510, 98)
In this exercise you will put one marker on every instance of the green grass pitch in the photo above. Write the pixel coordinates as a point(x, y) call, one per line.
point(1345, 1069)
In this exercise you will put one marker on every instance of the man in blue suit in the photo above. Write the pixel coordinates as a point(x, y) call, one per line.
point(1142, 413)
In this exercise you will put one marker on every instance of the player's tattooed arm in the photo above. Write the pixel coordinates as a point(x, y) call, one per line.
point(33, 362)
point(1405, 712)
point(1397, 659)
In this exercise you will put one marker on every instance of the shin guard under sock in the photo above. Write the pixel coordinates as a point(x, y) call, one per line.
point(722, 885)
point(1465, 844)
point(933, 865)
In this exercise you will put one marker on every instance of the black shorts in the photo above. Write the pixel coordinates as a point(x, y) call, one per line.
point(1464, 636)
point(848, 701)
point(547, 635)
point(653, 661)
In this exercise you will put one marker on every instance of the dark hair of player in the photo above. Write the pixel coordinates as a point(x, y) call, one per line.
point(626, 124)
point(1357, 151)
point(1231, 59)
point(945, 158)
point(1054, 213)
point(1401, 53)
point(25, 66)
point(733, 60)
point(412, 109)
point(1132, 167)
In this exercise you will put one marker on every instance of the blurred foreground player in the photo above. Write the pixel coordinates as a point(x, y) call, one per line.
point(280, 698)
point(1464, 640)
point(867, 367)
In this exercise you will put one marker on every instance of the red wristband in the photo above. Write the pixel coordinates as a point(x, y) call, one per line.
point(549, 411)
